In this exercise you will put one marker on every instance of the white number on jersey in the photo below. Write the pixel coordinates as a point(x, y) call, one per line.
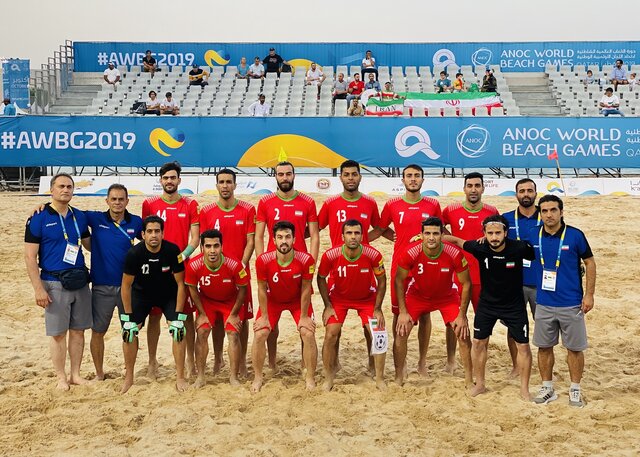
point(275, 277)
point(205, 280)
point(486, 261)
point(341, 215)
point(420, 268)
point(162, 214)
point(461, 223)
point(217, 224)
point(145, 269)
point(401, 213)
point(277, 217)
point(342, 271)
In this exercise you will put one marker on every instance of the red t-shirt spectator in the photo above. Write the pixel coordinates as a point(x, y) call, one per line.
point(356, 87)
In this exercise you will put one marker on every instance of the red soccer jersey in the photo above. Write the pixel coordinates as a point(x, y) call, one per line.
point(219, 285)
point(353, 280)
point(467, 225)
point(234, 224)
point(178, 217)
point(337, 209)
point(432, 278)
point(284, 282)
point(300, 210)
point(407, 219)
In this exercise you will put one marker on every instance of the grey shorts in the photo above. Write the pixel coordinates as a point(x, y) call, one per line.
point(530, 294)
point(69, 309)
point(103, 301)
point(552, 321)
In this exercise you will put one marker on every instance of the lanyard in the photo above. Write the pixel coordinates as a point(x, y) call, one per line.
point(123, 231)
point(64, 229)
point(518, 227)
point(564, 232)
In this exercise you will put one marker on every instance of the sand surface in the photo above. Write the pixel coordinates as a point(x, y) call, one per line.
point(428, 416)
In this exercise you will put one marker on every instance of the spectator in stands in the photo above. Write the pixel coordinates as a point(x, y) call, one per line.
point(9, 109)
point(355, 88)
point(618, 75)
point(242, 70)
point(610, 103)
point(274, 62)
point(169, 105)
point(590, 79)
point(369, 65)
point(372, 84)
point(443, 84)
point(355, 109)
point(256, 70)
point(198, 76)
point(315, 77)
point(489, 83)
point(149, 63)
point(153, 103)
point(340, 88)
point(388, 93)
point(259, 108)
point(112, 76)
point(459, 83)
point(633, 82)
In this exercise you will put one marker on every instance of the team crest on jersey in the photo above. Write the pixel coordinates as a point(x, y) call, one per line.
point(296, 276)
point(444, 270)
point(364, 270)
point(239, 222)
point(363, 215)
point(182, 215)
point(130, 230)
point(425, 215)
point(242, 273)
point(166, 269)
point(298, 213)
point(510, 265)
point(226, 280)
point(565, 247)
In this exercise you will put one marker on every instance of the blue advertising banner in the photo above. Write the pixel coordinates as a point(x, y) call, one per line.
point(15, 81)
point(319, 142)
point(524, 56)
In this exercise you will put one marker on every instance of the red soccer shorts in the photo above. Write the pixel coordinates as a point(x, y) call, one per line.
point(364, 310)
point(275, 310)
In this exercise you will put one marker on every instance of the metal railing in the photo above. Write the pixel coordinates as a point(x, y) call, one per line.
point(52, 79)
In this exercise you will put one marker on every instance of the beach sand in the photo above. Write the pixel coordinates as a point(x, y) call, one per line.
point(430, 416)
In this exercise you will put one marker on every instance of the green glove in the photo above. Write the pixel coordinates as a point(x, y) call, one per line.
point(129, 329)
point(176, 328)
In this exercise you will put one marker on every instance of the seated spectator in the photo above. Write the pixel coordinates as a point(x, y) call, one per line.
point(372, 83)
point(242, 70)
point(610, 103)
point(388, 93)
point(355, 108)
point(340, 88)
point(259, 108)
point(489, 83)
point(198, 77)
point(618, 75)
point(369, 65)
point(153, 104)
point(443, 84)
point(459, 84)
point(274, 62)
point(590, 79)
point(632, 81)
point(169, 105)
point(256, 70)
point(149, 63)
point(112, 76)
point(355, 88)
point(315, 77)
point(9, 109)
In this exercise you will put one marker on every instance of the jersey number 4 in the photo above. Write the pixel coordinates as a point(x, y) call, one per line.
point(162, 214)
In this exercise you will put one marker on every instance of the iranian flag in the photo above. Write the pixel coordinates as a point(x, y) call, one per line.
point(376, 107)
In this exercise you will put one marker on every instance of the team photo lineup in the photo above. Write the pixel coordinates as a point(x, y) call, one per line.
point(192, 267)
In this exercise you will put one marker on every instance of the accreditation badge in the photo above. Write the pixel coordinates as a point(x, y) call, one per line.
point(526, 263)
point(71, 254)
point(549, 280)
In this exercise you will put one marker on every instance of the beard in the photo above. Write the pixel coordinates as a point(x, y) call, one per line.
point(526, 202)
point(285, 186)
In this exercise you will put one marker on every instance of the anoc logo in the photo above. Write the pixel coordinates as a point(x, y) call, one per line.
point(219, 57)
point(172, 138)
point(473, 141)
point(482, 57)
point(423, 143)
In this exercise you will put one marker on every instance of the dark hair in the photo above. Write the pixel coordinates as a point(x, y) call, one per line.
point(349, 164)
point(619, 60)
point(170, 166)
point(211, 233)
point(147, 51)
point(473, 175)
point(226, 171)
point(415, 167)
point(152, 92)
point(284, 225)
point(284, 164)
point(117, 186)
point(151, 220)
point(526, 180)
point(551, 198)
point(496, 218)
point(168, 94)
point(351, 223)
point(608, 89)
point(61, 175)
point(356, 74)
point(432, 221)
point(443, 73)
point(458, 74)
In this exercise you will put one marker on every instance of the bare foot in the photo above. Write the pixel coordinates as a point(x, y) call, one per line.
point(273, 369)
point(450, 367)
point(423, 370)
point(233, 380)
point(200, 382)
point(381, 385)
point(328, 384)
point(514, 373)
point(311, 384)
point(190, 369)
point(78, 380)
point(100, 377)
point(525, 395)
point(181, 385)
point(217, 366)
point(400, 379)
point(242, 370)
point(372, 370)
point(152, 370)
point(477, 390)
point(62, 385)
point(338, 366)
point(256, 385)
point(126, 385)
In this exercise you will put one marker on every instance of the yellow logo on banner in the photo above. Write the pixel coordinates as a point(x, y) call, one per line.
point(213, 58)
point(299, 150)
point(172, 138)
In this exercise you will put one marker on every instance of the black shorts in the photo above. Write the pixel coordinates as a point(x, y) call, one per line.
point(142, 307)
point(516, 321)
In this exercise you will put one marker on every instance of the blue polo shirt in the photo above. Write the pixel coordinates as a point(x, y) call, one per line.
point(109, 245)
point(569, 280)
point(45, 229)
point(525, 225)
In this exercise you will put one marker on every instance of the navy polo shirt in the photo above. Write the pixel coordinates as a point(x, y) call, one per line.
point(109, 245)
point(569, 280)
point(45, 229)
point(525, 225)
